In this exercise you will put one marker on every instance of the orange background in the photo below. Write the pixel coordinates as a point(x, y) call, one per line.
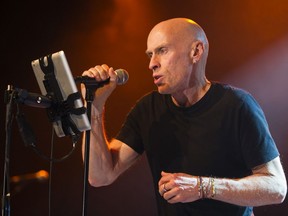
point(248, 48)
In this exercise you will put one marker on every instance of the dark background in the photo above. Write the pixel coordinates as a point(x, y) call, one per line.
point(248, 48)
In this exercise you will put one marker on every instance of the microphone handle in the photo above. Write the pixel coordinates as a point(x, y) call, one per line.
point(90, 81)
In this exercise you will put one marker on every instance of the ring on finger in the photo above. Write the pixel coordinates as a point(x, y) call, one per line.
point(164, 188)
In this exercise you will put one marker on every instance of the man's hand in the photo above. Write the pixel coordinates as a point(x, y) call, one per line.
point(101, 73)
point(178, 187)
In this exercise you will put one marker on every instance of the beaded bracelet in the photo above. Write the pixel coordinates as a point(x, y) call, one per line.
point(213, 188)
point(199, 182)
point(206, 189)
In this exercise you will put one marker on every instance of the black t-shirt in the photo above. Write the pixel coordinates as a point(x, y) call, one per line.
point(224, 135)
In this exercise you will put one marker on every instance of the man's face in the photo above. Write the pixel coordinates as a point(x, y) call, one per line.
point(170, 61)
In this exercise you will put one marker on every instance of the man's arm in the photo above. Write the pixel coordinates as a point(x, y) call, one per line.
point(107, 160)
point(267, 185)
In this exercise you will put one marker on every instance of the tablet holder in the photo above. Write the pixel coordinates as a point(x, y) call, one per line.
point(61, 109)
point(57, 110)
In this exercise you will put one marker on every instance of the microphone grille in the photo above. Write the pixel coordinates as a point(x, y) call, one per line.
point(122, 76)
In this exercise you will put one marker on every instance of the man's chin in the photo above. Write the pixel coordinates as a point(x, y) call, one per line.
point(163, 90)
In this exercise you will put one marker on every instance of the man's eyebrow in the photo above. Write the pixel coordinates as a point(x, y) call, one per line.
point(156, 49)
point(148, 53)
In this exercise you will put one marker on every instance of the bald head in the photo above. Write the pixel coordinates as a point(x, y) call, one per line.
point(181, 29)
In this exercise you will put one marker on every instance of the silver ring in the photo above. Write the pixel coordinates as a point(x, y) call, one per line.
point(164, 189)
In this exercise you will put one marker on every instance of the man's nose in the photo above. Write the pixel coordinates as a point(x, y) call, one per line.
point(154, 63)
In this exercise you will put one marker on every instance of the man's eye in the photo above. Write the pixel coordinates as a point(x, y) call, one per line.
point(162, 51)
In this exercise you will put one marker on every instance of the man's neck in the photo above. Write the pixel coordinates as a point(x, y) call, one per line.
point(191, 95)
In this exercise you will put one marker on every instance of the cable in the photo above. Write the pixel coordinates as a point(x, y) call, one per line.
point(37, 151)
point(29, 140)
point(51, 161)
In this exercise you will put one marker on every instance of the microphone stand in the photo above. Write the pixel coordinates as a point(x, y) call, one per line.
point(6, 179)
point(19, 96)
point(90, 87)
point(89, 98)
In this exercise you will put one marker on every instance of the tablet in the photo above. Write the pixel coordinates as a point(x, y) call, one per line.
point(54, 78)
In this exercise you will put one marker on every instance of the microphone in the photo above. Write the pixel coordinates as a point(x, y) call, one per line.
point(40, 176)
point(122, 78)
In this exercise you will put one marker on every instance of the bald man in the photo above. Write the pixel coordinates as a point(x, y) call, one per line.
point(207, 144)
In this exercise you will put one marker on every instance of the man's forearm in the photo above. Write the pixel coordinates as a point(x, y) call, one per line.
point(100, 159)
point(249, 191)
point(267, 185)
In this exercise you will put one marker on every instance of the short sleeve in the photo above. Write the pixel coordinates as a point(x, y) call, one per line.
point(256, 140)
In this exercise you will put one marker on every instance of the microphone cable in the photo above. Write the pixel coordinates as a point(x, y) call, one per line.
point(29, 139)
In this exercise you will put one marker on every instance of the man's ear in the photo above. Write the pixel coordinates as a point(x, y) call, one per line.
point(197, 52)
